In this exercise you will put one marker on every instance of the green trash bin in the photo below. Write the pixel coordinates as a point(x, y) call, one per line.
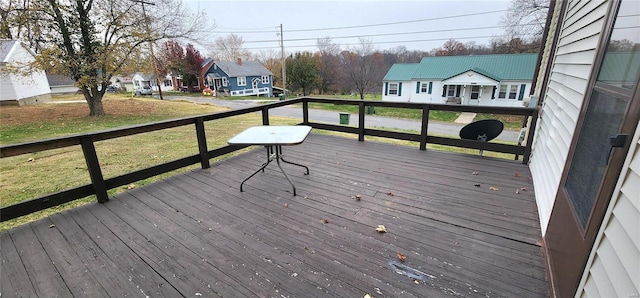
point(371, 110)
point(281, 96)
point(344, 118)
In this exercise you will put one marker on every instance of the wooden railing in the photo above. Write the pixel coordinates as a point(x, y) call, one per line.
point(99, 185)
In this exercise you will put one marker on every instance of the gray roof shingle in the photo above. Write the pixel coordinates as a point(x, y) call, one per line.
point(248, 68)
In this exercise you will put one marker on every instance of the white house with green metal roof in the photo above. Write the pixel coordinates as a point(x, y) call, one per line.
point(490, 80)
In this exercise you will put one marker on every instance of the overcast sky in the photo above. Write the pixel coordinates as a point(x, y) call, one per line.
point(419, 25)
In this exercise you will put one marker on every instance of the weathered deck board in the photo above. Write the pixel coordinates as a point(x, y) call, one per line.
point(197, 234)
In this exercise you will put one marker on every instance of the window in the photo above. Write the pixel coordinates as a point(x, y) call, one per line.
point(424, 87)
point(393, 88)
point(430, 87)
point(265, 79)
point(475, 92)
point(242, 81)
point(513, 90)
point(451, 90)
point(225, 82)
point(503, 91)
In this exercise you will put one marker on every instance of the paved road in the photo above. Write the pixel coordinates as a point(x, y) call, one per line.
point(371, 121)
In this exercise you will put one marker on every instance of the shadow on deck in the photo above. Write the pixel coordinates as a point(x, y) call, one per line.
point(196, 234)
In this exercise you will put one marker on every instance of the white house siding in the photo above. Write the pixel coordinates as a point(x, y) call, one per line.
point(565, 93)
point(614, 263)
point(405, 92)
point(27, 89)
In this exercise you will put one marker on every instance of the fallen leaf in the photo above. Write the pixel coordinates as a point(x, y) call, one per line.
point(517, 190)
point(477, 185)
point(358, 197)
point(401, 257)
point(52, 226)
point(493, 188)
point(523, 189)
point(210, 229)
point(415, 281)
point(286, 205)
point(474, 173)
point(305, 197)
point(30, 159)
point(390, 194)
point(131, 186)
point(368, 296)
point(518, 175)
point(381, 229)
point(326, 221)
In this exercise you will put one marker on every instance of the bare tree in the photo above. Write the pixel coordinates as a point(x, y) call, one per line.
point(270, 58)
point(526, 19)
point(90, 40)
point(329, 64)
point(230, 48)
point(451, 47)
point(363, 67)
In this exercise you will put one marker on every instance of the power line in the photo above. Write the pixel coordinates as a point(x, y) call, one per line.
point(389, 34)
point(364, 26)
point(388, 42)
point(396, 23)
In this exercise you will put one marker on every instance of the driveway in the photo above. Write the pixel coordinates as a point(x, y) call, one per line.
point(371, 121)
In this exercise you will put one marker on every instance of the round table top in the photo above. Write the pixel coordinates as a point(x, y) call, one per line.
point(482, 130)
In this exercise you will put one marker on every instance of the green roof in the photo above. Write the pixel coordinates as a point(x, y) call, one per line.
point(503, 67)
point(401, 72)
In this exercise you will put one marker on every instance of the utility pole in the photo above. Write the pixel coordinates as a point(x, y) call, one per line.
point(153, 57)
point(284, 65)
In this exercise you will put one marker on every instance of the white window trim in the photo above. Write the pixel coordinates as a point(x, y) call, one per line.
point(265, 79)
point(242, 81)
point(424, 87)
point(392, 90)
point(515, 92)
point(503, 96)
point(225, 82)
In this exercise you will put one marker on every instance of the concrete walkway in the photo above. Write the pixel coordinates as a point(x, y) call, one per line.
point(465, 118)
point(371, 121)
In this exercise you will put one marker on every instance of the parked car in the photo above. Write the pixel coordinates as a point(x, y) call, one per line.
point(143, 90)
point(112, 89)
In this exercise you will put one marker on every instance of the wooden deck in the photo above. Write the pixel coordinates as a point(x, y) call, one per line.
point(197, 235)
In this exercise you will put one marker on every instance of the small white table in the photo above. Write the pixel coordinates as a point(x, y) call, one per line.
point(273, 138)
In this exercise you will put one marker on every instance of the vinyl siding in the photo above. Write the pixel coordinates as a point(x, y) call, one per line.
point(572, 65)
point(614, 264)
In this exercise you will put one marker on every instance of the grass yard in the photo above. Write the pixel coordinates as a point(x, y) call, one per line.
point(31, 175)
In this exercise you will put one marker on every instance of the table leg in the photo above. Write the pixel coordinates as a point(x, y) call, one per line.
point(277, 155)
point(264, 165)
point(293, 163)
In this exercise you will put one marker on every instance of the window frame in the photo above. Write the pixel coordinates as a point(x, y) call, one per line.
point(391, 90)
point(513, 93)
point(502, 94)
point(225, 82)
point(424, 87)
point(265, 79)
point(241, 81)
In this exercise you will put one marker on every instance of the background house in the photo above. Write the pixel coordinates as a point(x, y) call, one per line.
point(17, 88)
point(60, 84)
point(239, 78)
point(490, 80)
point(585, 160)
